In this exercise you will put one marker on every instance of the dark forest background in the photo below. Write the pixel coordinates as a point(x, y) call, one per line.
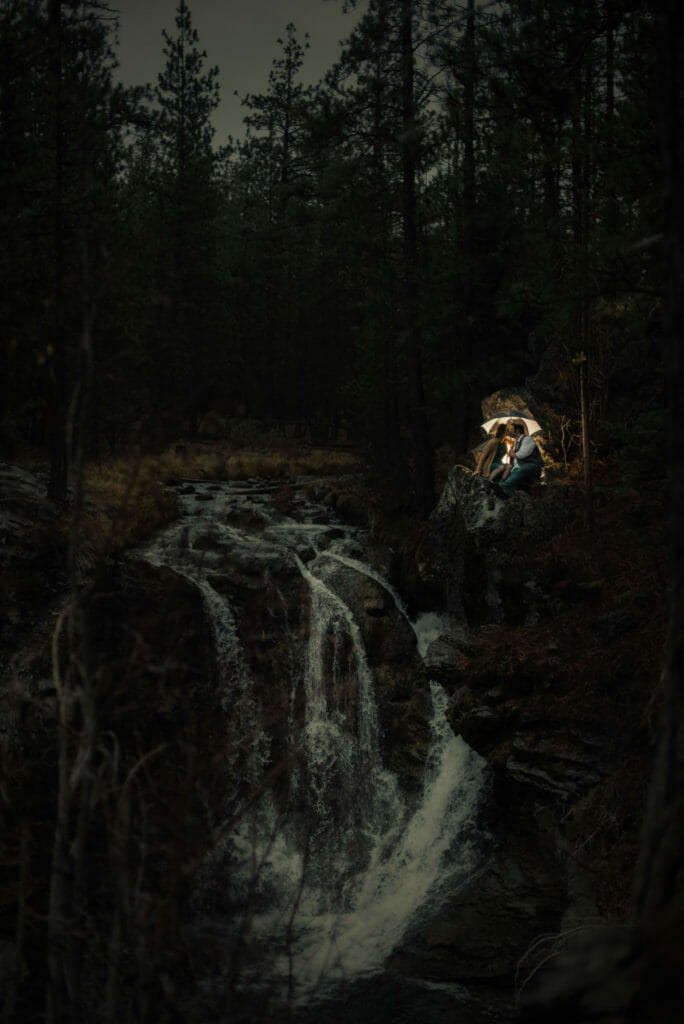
point(469, 188)
point(473, 193)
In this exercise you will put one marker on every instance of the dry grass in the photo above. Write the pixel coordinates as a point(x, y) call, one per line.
point(125, 502)
point(128, 500)
point(217, 462)
point(313, 462)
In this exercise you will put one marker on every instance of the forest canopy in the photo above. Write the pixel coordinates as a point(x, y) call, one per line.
point(470, 187)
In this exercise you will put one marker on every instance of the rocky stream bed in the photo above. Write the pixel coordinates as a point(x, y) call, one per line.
point(549, 658)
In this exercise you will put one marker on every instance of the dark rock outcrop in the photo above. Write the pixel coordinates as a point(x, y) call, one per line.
point(549, 662)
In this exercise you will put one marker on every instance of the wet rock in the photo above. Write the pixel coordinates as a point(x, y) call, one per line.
point(394, 999)
point(486, 520)
point(556, 757)
point(482, 514)
point(479, 933)
point(445, 653)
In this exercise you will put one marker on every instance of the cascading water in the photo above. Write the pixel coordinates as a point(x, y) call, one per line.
point(328, 874)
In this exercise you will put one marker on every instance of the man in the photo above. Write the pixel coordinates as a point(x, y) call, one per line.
point(527, 462)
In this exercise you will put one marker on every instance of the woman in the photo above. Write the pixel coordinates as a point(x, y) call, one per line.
point(503, 471)
point(490, 458)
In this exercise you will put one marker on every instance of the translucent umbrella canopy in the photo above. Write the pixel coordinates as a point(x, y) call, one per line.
point(505, 415)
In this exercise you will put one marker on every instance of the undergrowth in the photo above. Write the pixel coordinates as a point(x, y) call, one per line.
point(128, 498)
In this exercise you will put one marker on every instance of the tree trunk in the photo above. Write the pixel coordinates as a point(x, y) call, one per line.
point(57, 485)
point(422, 453)
point(469, 169)
point(586, 449)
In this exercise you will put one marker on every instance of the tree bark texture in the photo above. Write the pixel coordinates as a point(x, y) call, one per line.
point(57, 485)
point(423, 475)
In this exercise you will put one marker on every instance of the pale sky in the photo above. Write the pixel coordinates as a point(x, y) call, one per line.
point(240, 37)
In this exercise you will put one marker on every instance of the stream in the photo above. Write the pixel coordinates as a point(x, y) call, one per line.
point(312, 886)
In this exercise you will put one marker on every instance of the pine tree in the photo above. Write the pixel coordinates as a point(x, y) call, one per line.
point(386, 107)
point(190, 325)
point(59, 120)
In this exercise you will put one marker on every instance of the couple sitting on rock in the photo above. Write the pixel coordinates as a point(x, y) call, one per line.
point(524, 463)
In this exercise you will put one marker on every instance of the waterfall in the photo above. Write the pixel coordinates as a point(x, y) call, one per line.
point(403, 873)
point(174, 548)
point(368, 570)
point(328, 875)
point(327, 611)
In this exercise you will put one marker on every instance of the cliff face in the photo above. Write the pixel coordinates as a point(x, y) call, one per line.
point(552, 665)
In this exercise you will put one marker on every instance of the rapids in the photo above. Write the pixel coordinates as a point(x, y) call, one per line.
point(312, 891)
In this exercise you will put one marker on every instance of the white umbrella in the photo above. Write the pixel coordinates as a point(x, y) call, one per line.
point(505, 415)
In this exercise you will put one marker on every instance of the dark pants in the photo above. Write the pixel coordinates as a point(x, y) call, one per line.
point(520, 478)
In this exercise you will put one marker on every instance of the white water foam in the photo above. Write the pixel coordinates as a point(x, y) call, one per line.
point(333, 897)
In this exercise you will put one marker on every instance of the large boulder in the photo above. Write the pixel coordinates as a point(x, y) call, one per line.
point(486, 519)
point(478, 545)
